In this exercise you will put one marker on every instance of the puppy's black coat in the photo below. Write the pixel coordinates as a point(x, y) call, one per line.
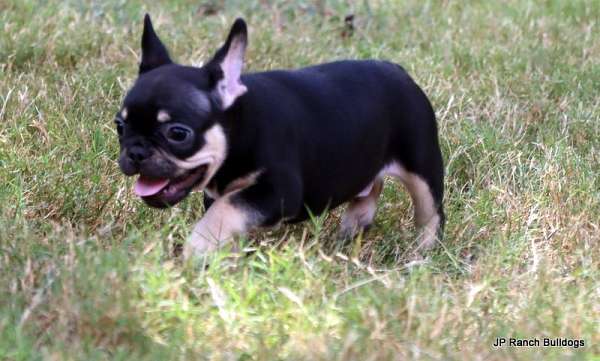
point(323, 133)
point(299, 141)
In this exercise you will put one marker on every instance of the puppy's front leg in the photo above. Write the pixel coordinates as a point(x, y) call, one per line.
point(274, 197)
point(223, 220)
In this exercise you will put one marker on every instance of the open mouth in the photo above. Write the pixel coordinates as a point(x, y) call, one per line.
point(166, 192)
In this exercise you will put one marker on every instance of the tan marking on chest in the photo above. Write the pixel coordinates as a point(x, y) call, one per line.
point(234, 186)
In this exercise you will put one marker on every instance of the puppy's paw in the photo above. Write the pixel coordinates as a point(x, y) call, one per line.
point(200, 243)
point(345, 234)
point(430, 235)
point(191, 251)
point(350, 232)
point(354, 223)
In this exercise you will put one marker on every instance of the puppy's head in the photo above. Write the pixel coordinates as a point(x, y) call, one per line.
point(169, 125)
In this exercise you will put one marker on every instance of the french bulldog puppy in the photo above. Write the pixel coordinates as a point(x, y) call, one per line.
point(275, 146)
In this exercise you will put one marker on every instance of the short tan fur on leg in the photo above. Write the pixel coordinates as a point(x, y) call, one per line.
point(426, 216)
point(361, 211)
point(221, 222)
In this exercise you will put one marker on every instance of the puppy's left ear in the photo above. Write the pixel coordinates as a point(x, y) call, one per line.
point(229, 61)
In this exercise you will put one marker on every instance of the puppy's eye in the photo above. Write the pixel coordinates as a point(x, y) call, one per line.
point(119, 124)
point(177, 133)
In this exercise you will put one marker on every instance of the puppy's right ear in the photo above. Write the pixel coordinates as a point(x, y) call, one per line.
point(229, 61)
point(154, 53)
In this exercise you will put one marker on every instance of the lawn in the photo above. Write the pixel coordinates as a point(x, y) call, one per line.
point(87, 272)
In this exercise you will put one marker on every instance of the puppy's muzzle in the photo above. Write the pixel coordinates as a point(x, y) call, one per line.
point(161, 183)
point(146, 161)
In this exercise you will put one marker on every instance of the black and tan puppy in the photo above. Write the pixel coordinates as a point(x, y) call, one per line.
point(269, 147)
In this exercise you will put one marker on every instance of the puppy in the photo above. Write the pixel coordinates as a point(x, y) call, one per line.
point(275, 146)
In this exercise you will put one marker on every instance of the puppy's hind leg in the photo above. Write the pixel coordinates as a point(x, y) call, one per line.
point(429, 216)
point(361, 211)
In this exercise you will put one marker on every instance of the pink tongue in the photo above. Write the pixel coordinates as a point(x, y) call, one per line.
point(145, 187)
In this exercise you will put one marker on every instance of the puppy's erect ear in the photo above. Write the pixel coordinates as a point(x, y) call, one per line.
point(230, 61)
point(154, 53)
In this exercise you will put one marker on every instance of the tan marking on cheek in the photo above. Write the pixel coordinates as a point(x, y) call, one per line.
point(214, 150)
point(163, 116)
point(216, 141)
point(212, 153)
point(220, 224)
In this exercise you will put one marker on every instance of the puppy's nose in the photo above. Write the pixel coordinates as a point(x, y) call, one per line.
point(138, 153)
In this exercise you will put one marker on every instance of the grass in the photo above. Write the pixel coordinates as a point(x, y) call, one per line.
point(87, 272)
